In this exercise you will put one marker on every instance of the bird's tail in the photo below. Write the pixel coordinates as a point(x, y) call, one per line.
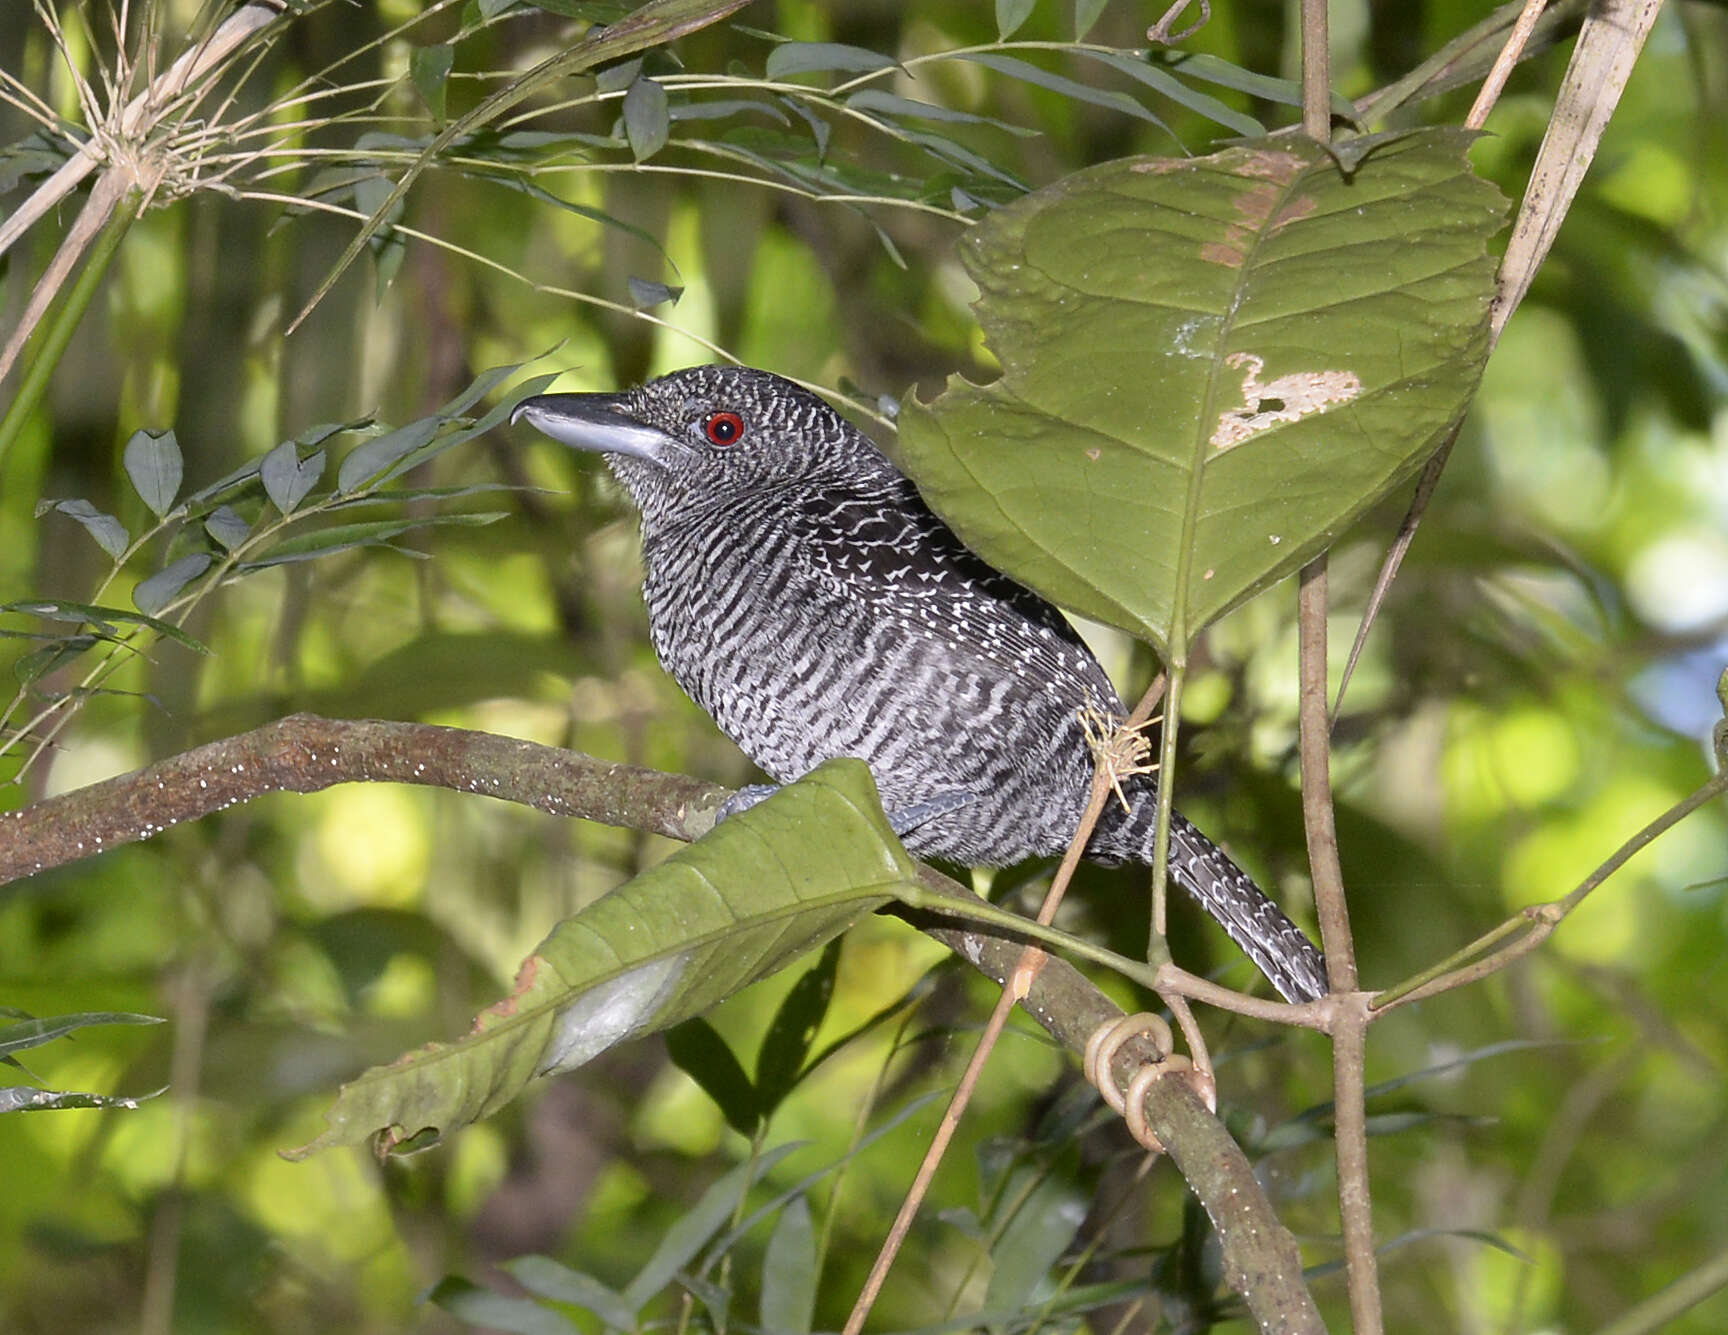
point(1280, 948)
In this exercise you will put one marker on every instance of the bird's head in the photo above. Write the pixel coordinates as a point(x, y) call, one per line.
point(695, 439)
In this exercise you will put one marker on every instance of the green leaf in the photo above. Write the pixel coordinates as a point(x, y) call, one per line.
point(697, 1049)
point(227, 527)
point(429, 66)
point(33, 1033)
point(754, 894)
point(721, 108)
point(366, 461)
point(1010, 15)
point(546, 1277)
point(110, 534)
point(1211, 69)
point(155, 593)
point(368, 533)
point(1221, 361)
point(289, 479)
point(646, 122)
point(22, 1098)
point(874, 99)
point(153, 462)
point(789, 1273)
point(780, 1059)
point(38, 663)
point(1029, 73)
point(1159, 78)
point(645, 293)
point(1086, 14)
point(701, 1222)
point(1048, 1209)
point(469, 1302)
point(58, 609)
point(791, 58)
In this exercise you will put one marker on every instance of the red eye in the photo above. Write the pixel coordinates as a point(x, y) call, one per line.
point(724, 428)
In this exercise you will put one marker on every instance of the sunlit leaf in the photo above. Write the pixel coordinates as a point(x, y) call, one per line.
point(23, 1098)
point(1223, 360)
point(747, 899)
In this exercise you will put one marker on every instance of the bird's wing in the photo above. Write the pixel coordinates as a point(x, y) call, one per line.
point(890, 552)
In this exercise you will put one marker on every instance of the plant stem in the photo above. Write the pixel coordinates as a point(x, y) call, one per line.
point(60, 329)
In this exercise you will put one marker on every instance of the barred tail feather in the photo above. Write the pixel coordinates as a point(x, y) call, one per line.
point(1259, 927)
point(1278, 947)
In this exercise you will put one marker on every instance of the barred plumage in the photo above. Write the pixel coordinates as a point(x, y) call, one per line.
point(803, 594)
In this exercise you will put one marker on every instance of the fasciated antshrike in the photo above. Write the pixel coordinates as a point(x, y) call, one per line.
point(805, 596)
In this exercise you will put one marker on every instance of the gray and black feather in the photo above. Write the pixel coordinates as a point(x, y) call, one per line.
point(803, 594)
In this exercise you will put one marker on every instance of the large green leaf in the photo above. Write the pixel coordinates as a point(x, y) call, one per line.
point(757, 892)
point(1211, 367)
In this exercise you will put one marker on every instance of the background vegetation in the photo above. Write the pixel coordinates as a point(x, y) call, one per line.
point(1551, 1146)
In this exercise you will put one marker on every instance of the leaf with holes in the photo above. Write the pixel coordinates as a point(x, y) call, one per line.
point(1212, 366)
point(752, 896)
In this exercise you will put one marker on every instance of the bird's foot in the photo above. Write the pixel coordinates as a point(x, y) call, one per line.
point(908, 819)
point(745, 798)
point(903, 821)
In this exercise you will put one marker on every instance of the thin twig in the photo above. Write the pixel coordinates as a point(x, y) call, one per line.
point(1535, 923)
point(1504, 63)
point(1608, 45)
point(1017, 989)
point(1350, 1021)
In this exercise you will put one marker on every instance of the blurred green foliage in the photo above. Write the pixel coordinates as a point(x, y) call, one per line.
point(1539, 686)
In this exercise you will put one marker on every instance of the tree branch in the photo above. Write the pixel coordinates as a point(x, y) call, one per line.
point(304, 753)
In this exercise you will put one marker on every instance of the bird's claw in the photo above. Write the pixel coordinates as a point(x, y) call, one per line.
point(908, 819)
point(745, 798)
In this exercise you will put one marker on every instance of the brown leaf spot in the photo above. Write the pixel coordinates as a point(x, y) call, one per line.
point(1267, 165)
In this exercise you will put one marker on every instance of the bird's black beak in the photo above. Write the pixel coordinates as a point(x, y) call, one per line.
point(595, 422)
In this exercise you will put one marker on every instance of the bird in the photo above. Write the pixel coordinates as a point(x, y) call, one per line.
point(800, 591)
